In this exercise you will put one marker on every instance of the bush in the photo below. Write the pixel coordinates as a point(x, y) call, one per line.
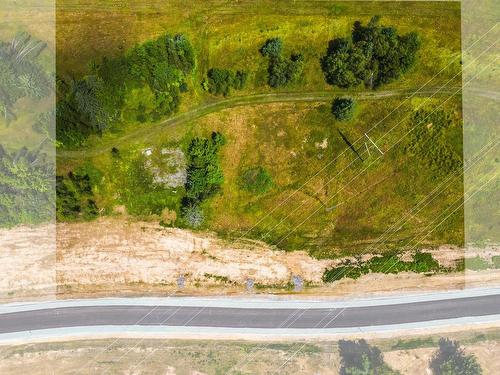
point(343, 108)
point(221, 81)
point(256, 180)
point(272, 47)
point(193, 215)
point(281, 71)
point(75, 198)
point(451, 359)
point(496, 261)
point(373, 54)
point(387, 263)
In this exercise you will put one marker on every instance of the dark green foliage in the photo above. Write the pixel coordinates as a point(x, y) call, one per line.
point(374, 54)
point(358, 357)
point(75, 197)
point(272, 47)
point(430, 140)
point(450, 359)
point(221, 81)
point(46, 125)
point(281, 71)
point(387, 263)
point(94, 103)
point(204, 174)
point(256, 180)
point(21, 75)
point(343, 108)
point(26, 187)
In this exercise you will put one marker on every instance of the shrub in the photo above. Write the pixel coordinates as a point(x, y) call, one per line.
point(451, 359)
point(272, 47)
point(75, 198)
point(221, 81)
point(281, 71)
point(387, 263)
point(343, 108)
point(193, 215)
point(256, 180)
point(496, 261)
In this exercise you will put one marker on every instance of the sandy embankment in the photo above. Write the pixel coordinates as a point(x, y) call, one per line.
point(28, 262)
point(114, 256)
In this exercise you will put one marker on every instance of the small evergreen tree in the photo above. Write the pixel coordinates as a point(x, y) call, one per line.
point(343, 108)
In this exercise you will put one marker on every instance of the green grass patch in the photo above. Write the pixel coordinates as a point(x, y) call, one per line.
point(387, 263)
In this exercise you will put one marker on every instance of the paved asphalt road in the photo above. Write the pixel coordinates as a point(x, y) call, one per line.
point(250, 317)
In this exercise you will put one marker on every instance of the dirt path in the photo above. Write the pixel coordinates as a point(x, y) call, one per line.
point(148, 132)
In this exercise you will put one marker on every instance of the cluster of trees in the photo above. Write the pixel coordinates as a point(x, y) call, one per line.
point(204, 176)
point(281, 70)
point(21, 75)
point(358, 357)
point(26, 187)
point(343, 108)
point(256, 180)
point(429, 141)
point(92, 104)
point(221, 81)
point(373, 55)
point(75, 194)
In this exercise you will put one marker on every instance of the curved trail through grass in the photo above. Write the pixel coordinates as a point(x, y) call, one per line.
point(150, 131)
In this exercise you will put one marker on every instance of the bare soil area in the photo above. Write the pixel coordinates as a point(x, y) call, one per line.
point(27, 262)
point(115, 256)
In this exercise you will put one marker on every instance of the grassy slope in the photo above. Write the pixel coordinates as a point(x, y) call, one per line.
point(284, 135)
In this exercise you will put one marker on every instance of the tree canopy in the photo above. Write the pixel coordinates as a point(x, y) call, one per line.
point(373, 55)
point(343, 108)
point(92, 104)
point(221, 81)
point(281, 70)
point(450, 359)
point(21, 75)
point(360, 358)
point(26, 187)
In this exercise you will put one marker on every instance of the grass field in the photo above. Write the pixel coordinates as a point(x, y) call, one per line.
point(410, 355)
point(323, 198)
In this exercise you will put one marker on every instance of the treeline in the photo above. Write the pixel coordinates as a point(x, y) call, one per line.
point(95, 102)
point(373, 55)
point(26, 187)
